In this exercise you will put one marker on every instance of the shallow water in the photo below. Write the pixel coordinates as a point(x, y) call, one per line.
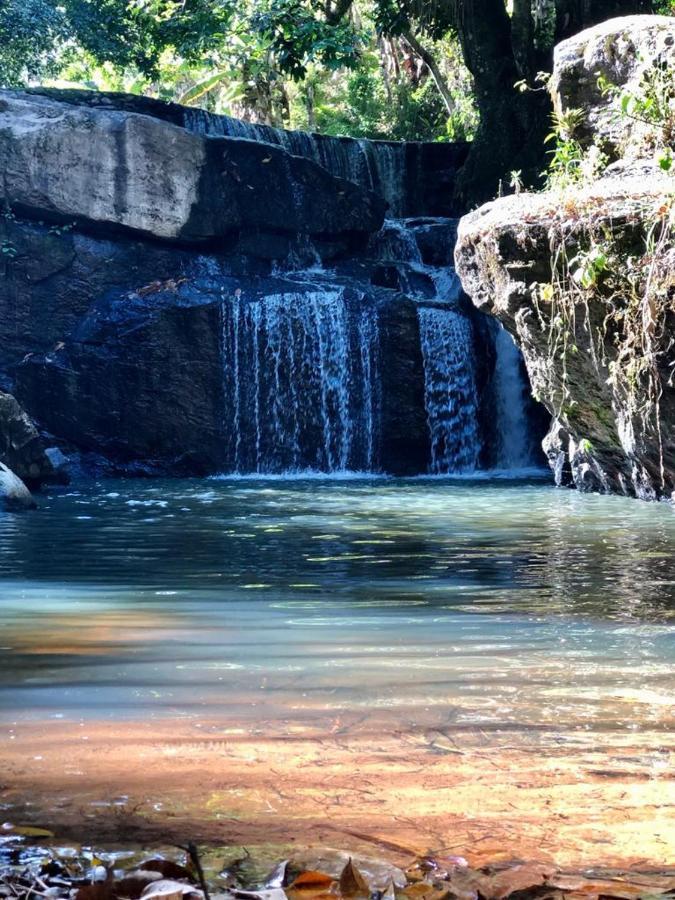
point(462, 604)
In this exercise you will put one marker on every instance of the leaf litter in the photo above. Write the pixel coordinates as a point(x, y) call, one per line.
point(29, 871)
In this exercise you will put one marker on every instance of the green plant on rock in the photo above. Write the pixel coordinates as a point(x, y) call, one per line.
point(651, 106)
point(613, 283)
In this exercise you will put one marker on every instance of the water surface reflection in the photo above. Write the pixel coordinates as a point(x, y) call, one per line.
point(452, 604)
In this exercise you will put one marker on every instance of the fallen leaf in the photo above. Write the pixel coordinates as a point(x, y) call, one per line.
point(312, 881)
point(168, 889)
point(26, 831)
point(352, 882)
point(619, 889)
point(424, 890)
point(517, 878)
point(99, 890)
point(132, 885)
point(168, 868)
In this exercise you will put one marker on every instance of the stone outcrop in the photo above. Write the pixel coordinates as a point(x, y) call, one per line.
point(14, 495)
point(618, 54)
point(119, 170)
point(416, 177)
point(22, 449)
point(521, 258)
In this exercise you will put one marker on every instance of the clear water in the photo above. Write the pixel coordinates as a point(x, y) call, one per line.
point(491, 604)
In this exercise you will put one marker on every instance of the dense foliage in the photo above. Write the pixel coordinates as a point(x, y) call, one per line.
point(432, 70)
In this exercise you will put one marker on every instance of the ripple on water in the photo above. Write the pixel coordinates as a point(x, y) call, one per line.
point(476, 601)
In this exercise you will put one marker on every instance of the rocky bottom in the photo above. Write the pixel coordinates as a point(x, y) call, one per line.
point(358, 785)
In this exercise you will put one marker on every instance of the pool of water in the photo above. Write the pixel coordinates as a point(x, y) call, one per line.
point(467, 604)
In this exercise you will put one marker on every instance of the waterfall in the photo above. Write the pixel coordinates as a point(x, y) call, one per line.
point(377, 165)
point(395, 242)
point(450, 394)
point(511, 401)
point(301, 373)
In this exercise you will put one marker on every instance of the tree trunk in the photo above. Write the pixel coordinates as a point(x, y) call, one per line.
point(512, 124)
point(499, 51)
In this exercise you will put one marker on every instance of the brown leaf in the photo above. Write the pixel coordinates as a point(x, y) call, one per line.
point(352, 882)
point(424, 890)
point(518, 878)
point(168, 868)
point(313, 881)
point(99, 890)
point(619, 889)
point(132, 885)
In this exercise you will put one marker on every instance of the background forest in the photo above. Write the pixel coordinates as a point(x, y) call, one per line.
point(433, 70)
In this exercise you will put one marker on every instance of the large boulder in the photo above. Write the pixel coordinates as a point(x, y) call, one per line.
point(14, 495)
point(22, 449)
point(113, 169)
point(416, 177)
point(615, 57)
point(507, 265)
point(583, 276)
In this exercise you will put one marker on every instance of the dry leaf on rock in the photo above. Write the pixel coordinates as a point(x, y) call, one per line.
point(425, 890)
point(132, 885)
point(26, 831)
point(167, 889)
point(518, 878)
point(352, 882)
point(167, 868)
point(312, 885)
point(311, 881)
point(99, 890)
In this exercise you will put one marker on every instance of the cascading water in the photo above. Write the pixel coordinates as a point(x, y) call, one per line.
point(511, 402)
point(378, 165)
point(450, 394)
point(301, 375)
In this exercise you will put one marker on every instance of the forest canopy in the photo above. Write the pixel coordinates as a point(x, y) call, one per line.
point(413, 70)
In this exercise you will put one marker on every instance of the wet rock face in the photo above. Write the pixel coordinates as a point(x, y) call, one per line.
point(22, 449)
point(144, 377)
point(114, 169)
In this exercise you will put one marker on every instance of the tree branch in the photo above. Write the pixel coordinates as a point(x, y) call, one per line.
point(431, 64)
